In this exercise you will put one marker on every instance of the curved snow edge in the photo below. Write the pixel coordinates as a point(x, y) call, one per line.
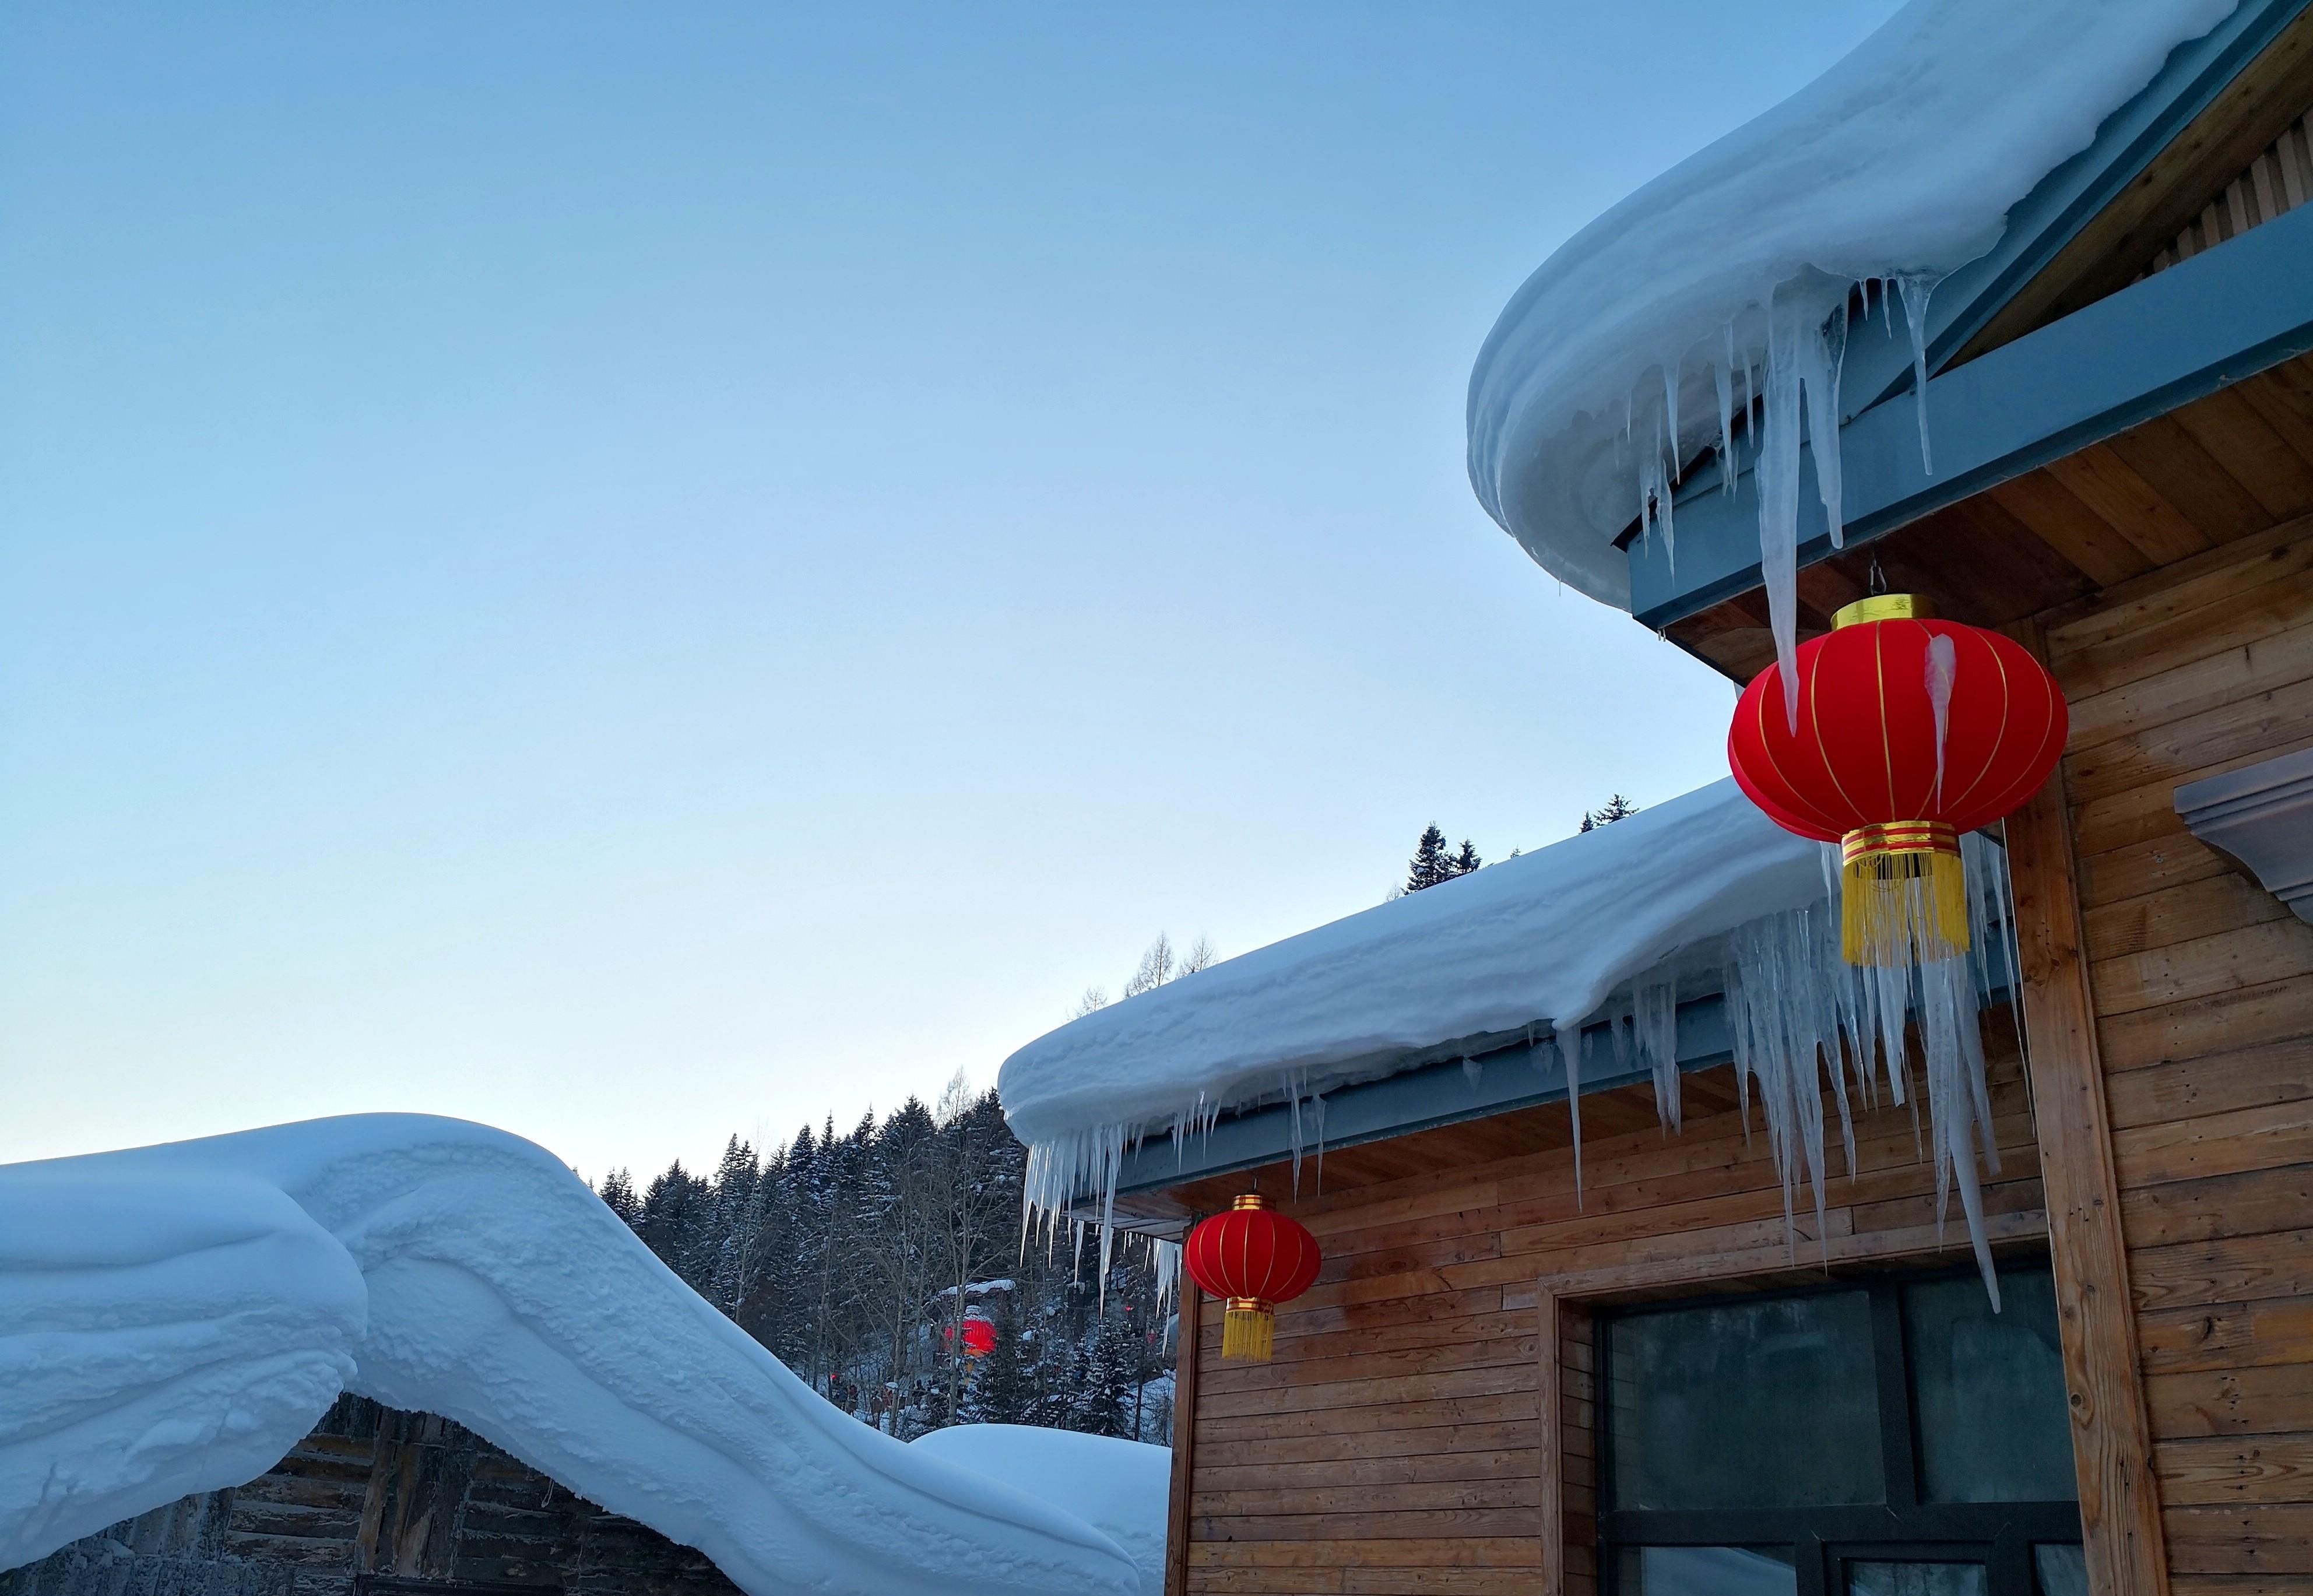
point(174, 1319)
point(1617, 360)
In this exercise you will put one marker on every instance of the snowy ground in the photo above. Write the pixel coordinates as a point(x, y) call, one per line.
point(172, 1320)
point(1120, 1487)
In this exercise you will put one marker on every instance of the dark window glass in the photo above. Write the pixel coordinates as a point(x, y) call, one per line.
point(1762, 1403)
point(1989, 1390)
point(2061, 1570)
point(1708, 1570)
point(1915, 1579)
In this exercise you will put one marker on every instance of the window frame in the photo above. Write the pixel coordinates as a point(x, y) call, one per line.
point(1904, 1528)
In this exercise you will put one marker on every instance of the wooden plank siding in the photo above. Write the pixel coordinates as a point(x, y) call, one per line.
point(2202, 988)
point(1408, 1436)
point(374, 1491)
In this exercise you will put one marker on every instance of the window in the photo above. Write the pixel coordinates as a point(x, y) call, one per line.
point(1886, 1438)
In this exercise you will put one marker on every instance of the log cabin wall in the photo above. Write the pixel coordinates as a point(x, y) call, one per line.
point(1397, 1444)
point(374, 1500)
point(2201, 985)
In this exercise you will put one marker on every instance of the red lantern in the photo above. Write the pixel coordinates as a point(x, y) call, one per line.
point(979, 1338)
point(1255, 1258)
point(1911, 731)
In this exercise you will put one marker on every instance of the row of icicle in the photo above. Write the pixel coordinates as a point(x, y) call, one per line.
point(1794, 371)
point(1796, 1012)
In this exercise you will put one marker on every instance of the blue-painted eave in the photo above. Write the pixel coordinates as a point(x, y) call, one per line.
point(2206, 323)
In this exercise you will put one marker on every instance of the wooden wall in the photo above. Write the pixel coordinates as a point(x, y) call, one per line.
point(375, 1491)
point(1395, 1445)
point(2202, 989)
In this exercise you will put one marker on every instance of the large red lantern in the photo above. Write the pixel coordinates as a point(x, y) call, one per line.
point(1911, 731)
point(1255, 1258)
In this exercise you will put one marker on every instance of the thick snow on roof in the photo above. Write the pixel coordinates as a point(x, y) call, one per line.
point(1120, 1487)
point(174, 1319)
point(1528, 941)
point(1900, 161)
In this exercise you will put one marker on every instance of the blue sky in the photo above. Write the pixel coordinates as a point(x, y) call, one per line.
point(636, 572)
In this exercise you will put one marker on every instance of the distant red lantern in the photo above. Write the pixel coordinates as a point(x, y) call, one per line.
point(979, 1338)
point(1911, 731)
point(1254, 1258)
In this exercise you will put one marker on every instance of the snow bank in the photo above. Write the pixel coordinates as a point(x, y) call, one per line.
point(1120, 1487)
point(172, 1320)
point(1625, 354)
point(1528, 942)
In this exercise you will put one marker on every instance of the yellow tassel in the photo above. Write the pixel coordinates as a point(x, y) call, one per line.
point(1248, 1330)
point(1902, 894)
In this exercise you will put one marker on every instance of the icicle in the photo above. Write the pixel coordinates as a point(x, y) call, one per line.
point(1164, 1264)
point(1655, 1004)
point(1825, 352)
point(1317, 1132)
point(1723, 380)
point(1569, 1049)
point(1294, 1090)
point(1472, 1071)
point(1778, 473)
point(1917, 285)
point(1807, 344)
point(1670, 412)
point(1943, 666)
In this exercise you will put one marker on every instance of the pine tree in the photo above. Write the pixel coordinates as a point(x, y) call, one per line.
point(618, 1196)
point(1467, 860)
point(1430, 863)
point(1617, 807)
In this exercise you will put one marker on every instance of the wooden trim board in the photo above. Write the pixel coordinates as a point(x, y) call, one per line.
point(2112, 1448)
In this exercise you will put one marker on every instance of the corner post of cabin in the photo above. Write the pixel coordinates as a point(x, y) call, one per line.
point(1550, 1421)
point(1191, 1308)
point(2120, 1507)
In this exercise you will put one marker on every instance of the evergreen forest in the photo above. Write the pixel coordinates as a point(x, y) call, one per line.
point(856, 1257)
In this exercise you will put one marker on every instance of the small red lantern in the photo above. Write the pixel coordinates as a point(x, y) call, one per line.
point(979, 1338)
point(1255, 1258)
point(1911, 731)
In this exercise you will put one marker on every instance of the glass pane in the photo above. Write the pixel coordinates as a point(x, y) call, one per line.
point(1915, 1579)
point(1989, 1390)
point(1766, 1404)
point(1708, 1570)
point(2062, 1570)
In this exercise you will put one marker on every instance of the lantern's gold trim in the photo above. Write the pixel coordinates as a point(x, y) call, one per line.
point(1885, 606)
point(1249, 1202)
point(1902, 894)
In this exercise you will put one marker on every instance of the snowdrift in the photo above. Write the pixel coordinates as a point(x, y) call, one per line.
point(173, 1319)
point(1121, 1488)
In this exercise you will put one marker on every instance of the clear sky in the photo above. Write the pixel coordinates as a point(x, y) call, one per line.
point(640, 571)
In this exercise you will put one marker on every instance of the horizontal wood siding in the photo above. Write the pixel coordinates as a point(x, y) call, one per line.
point(376, 1491)
point(2203, 991)
point(1395, 1445)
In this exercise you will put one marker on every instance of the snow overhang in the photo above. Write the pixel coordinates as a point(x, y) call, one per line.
point(1968, 140)
point(1465, 968)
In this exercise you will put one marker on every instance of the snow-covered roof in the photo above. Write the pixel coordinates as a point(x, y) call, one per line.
point(174, 1319)
point(1528, 943)
point(1622, 357)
